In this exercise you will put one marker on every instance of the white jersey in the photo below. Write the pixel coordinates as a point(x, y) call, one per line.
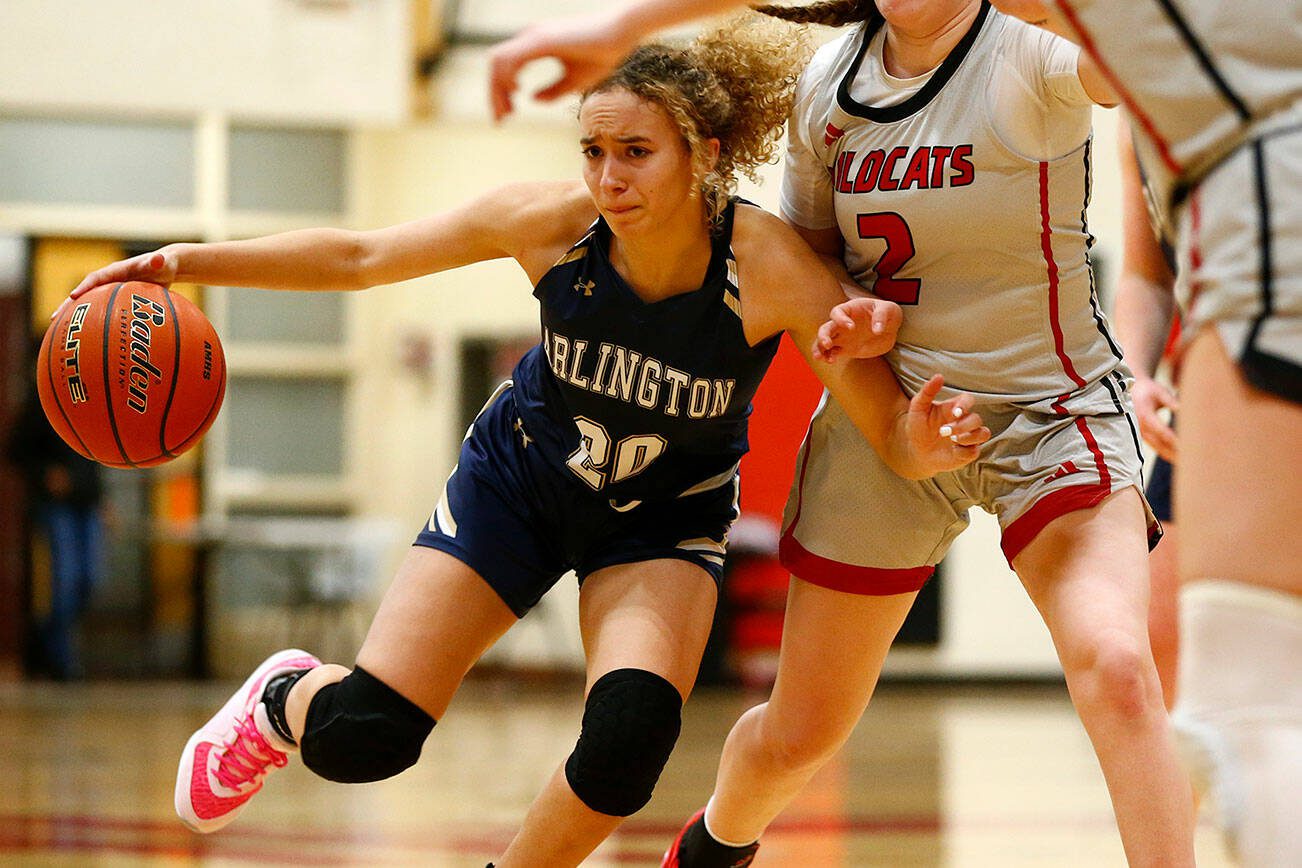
point(1216, 90)
point(984, 244)
point(1198, 77)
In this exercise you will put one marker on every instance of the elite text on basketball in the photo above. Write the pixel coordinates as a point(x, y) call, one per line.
point(72, 361)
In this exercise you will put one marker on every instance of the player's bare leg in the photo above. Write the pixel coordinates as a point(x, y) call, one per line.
point(833, 648)
point(1240, 709)
point(654, 617)
point(1087, 573)
point(1163, 612)
point(436, 619)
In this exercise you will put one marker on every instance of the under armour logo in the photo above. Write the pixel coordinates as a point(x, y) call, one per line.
point(832, 133)
point(585, 288)
point(524, 435)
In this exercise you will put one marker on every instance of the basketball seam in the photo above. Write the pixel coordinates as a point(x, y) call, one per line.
point(198, 432)
point(108, 403)
point(85, 450)
point(176, 375)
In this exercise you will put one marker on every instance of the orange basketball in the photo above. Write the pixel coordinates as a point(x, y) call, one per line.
point(131, 375)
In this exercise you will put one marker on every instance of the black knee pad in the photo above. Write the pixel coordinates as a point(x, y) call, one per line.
point(361, 729)
point(630, 724)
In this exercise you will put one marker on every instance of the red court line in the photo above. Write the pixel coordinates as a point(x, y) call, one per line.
point(80, 833)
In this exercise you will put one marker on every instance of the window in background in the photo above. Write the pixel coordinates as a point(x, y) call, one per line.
point(288, 170)
point(100, 162)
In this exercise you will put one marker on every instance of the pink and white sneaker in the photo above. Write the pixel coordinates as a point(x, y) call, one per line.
point(224, 763)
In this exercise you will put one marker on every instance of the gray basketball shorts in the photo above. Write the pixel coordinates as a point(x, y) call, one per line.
point(852, 524)
point(1240, 259)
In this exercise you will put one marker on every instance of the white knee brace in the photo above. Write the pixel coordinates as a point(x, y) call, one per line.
point(1239, 713)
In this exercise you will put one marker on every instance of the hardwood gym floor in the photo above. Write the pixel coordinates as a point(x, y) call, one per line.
point(967, 777)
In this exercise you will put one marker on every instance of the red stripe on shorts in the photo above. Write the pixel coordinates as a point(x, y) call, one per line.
point(1145, 122)
point(849, 578)
point(1055, 504)
point(1100, 463)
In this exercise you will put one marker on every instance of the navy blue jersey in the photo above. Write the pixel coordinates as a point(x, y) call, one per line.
point(640, 400)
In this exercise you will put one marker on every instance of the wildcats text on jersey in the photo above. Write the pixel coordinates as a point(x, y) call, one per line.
point(627, 375)
point(901, 168)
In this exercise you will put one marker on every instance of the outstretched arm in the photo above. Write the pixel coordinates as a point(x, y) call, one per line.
point(509, 221)
point(587, 47)
point(917, 437)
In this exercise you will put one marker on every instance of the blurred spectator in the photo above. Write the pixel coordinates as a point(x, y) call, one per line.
point(64, 495)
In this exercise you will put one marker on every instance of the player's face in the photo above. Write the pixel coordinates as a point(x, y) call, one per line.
point(1027, 10)
point(636, 163)
point(921, 17)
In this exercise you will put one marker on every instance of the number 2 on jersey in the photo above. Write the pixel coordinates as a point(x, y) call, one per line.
point(891, 228)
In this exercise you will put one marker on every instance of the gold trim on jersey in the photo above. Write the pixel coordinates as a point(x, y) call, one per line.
point(443, 521)
point(732, 290)
point(708, 549)
point(577, 252)
point(733, 303)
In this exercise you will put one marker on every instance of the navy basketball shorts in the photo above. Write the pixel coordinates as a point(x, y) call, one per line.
point(1158, 490)
point(521, 522)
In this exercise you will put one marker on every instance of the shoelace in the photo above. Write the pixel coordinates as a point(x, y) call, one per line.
point(247, 757)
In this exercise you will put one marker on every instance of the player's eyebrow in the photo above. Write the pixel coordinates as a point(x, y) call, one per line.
point(623, 140)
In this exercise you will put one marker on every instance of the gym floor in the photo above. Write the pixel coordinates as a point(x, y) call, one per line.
point(967, 776)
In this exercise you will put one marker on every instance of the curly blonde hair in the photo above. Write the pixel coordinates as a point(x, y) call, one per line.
point(734, 83)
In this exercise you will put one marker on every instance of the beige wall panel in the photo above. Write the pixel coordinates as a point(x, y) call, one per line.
point(410, 426)
point(335, 61)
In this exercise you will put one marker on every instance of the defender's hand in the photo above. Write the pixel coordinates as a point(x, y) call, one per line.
point(1150, 397)
point(941, 435)
point(861, 328)
point(587, 50)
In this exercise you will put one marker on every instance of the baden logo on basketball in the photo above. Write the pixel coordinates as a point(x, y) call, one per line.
point(144, 313)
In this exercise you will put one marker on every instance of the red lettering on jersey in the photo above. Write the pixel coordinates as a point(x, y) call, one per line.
point(843, 163)
point(916, 173)
point(872, 165)
point(832, 134)
point(939, 154)
point(887, 182)
point(961, 163)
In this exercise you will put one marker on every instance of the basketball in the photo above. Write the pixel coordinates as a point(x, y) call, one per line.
point(131, 375)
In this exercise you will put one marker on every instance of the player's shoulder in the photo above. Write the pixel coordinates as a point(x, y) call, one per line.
point(827, 54)
point(753, 226)
point(1021, 39)
point(540, 215)
point(829, 61)
point(784, 285)
point(759, 237)
point(548, 207)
